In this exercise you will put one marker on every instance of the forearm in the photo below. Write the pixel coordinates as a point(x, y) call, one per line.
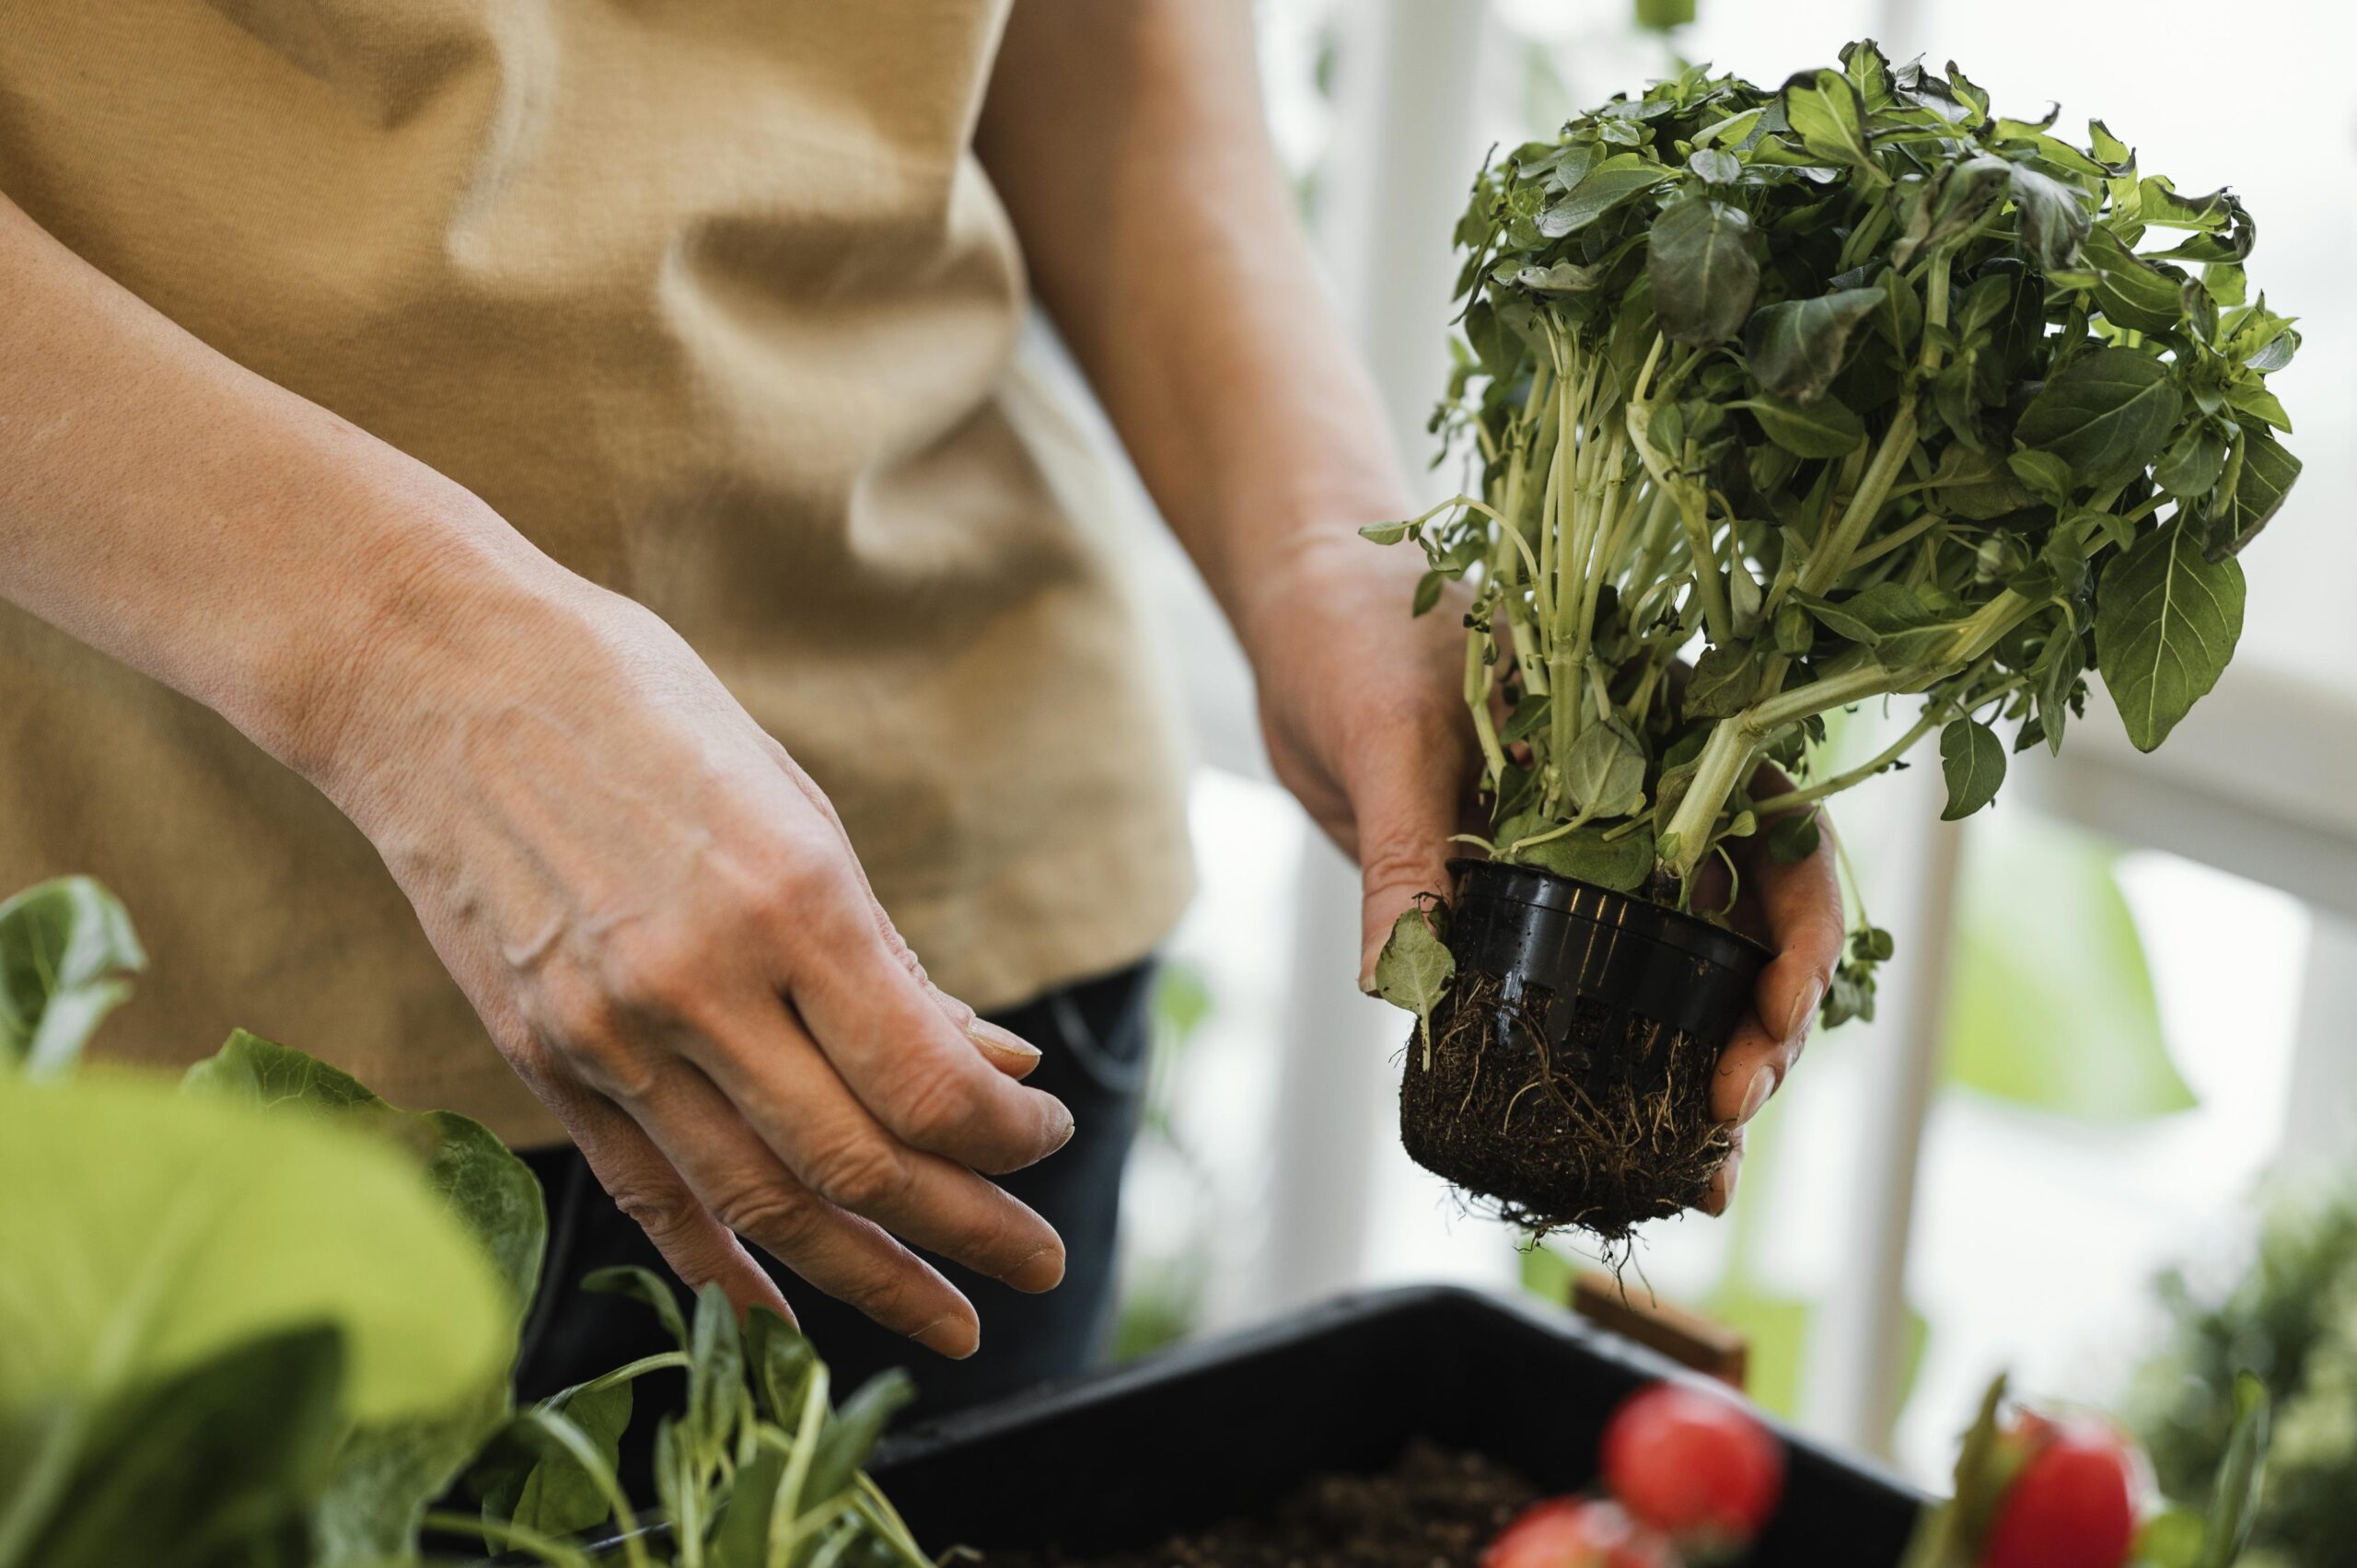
point(1128, 143)
point(215, 531)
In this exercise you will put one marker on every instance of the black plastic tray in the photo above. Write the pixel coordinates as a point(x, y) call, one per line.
point(1210, 1430)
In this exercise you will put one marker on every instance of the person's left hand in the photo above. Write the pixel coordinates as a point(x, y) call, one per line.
point(1364, 713)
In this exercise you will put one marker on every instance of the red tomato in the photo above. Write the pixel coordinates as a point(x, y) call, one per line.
point(2072, 1504)
point(1694, 1465)
point(1577, 1532)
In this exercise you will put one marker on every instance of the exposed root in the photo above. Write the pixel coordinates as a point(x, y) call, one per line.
point(1602, 1151)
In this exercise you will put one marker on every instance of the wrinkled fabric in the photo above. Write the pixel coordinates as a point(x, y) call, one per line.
point(711, 301)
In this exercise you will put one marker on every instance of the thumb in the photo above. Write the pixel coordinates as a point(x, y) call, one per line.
point(1405, 809)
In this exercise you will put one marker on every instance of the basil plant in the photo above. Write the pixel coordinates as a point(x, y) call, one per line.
point(1783, 401)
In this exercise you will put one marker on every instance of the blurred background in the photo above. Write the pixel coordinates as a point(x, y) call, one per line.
point(2121, 1006)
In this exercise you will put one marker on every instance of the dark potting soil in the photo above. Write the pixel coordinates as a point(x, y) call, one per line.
point(1435, 1508)
point(1548, 1143)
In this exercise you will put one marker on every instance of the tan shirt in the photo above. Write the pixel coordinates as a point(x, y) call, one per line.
point(711, 301)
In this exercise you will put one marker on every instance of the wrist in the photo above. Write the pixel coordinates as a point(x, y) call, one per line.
point(1319, 557)
point(441, 599)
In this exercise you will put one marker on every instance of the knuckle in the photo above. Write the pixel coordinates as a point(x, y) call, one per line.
point(857, 1173)
point(935, 1106)
point(669, 1216)
point(649, 968)
point(768, 1211)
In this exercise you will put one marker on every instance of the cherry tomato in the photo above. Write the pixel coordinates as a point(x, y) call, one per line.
point(1577, 1532)
point(2071, 1504)
point(1694, 1465)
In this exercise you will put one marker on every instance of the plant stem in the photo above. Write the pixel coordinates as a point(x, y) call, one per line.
point(507, 1534)
point(1934, 716)
point(1727, 755)
point(1831, 556)
point(638, 1368)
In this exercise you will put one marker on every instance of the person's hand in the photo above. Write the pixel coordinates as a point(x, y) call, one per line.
point(1366, 720)
point(1794, 911)
point(661, 922)
point(1364, 713)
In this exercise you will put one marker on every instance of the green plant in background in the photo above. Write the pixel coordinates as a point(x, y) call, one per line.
point(2293, 1317)
point(263, 1320)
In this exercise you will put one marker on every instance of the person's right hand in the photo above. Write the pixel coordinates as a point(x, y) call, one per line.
point(662, 924)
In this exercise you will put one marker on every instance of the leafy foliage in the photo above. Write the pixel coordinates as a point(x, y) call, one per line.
point(2291, 1317)
point(66, 949)
point(1846, 389)
point(263, 1321)
point(386, 1474)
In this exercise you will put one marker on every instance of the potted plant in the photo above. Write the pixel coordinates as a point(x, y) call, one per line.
point(1780, 401)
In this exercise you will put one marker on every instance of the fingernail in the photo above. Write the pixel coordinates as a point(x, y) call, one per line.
point(951, 1335)
point(1729, 1174)
point(1066, 1136)
point(1008, 1051)
point(1043, 1270)
point(1796, 1028)
point(1763, 1083)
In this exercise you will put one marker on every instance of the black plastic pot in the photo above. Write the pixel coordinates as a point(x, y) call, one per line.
point(1214, 1431)
point(1567, 1076)
point(1561, 946)
point(1220, 1429)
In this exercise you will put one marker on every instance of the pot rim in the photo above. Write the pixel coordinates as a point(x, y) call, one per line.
point(1540, 888)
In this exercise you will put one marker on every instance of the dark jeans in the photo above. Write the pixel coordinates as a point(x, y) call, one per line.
point(1094, 1037)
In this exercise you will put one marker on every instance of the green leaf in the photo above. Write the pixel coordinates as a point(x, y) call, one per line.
point(778, 1360)
point(2131, 291)
point(716, 1370)
point(553, 1469)
point(2190, 466)
point(2260, 403)
point(1973, 760)
point(1605, 770)
point(1385, 533)
point(1585, 855)
point(484, 1185)
point(647, 1286)
point(1660, 16)
point(743, 1536)
point(1825, 428)
point(1794, 838)
point(2051, 1006)
point(1726, 678)
point(387, 1475)
point(2107, 413)
point(66, 948)
point(212, 1464)
point(1797, 348)
point(1414, 969)
point(194, 1223)
point(2234, 1506)
point(1428, 588)
point(2266, 475)
point(1714, 167)
point(2046, 474)
point(851, 1434)
point(2053, 220)
point(1704, 273)
point(1823, 109)
point(1601, 189)
point(2167, 620)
